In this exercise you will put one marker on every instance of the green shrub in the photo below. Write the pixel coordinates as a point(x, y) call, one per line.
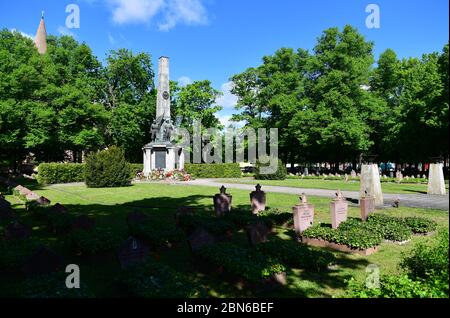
point(213, 170)
point(152, 280)
point(53, 286)
point(391, 228)
point(245, 262)
point(94, 241)
point(136, 168)
point(428, 260)
point(280, 173)
point(297, 255)
point(51, 173)
point(107, 168)
point(425, 274)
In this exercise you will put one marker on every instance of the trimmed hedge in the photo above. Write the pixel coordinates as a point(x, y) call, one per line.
point(213, 170)
point(50, 173)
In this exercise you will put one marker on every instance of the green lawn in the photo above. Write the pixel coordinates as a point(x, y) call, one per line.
point(387, 187)
point(110, 206)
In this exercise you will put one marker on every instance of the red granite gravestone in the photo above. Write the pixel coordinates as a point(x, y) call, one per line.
point(43, 261)
point(303, 215)
point(257, 233)
point(222, 202)
point(258, 199)
point(199, 238)
point(132, 251)
point(338, 209)
point(17, 231)
point(367, 206)
point(83, 222)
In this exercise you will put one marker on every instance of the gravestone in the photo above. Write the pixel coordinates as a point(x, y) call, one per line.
point(338, 209)
point(399, 175)
point(83, 222)
point(257, 232)
point(424, 176)
point(58, 208)
point(366, 205)
point(43, 261)
point(132, 251)
point(370, 182)
point(43, 201)
point(306, 172)
point(200, 238)
point(353, 174)
point(258, 200)
point(303, 215)
point(32, 196)
point(436, 183)
point(222, 202)
point(17, 231)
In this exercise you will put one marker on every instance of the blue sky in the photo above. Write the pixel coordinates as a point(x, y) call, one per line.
point(214, 39)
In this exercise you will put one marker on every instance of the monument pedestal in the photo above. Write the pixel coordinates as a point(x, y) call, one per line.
point(162, 156)
point(436, 183)
point(370, 184)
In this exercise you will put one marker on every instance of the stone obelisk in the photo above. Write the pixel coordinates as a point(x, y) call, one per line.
point(163, 98)
point(161, 154)
point(41, 37)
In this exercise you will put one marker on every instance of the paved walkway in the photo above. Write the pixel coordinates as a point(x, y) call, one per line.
point(440, 202)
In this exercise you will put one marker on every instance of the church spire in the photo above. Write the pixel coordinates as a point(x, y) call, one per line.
point(41, 37)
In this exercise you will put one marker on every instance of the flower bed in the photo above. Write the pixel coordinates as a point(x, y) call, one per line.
point(360, 236)
point(174, 175)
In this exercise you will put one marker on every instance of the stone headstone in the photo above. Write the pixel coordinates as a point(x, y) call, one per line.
point(418, 176)
point(200, 238)
point(43, 261)
point(258, 199)
point(17, 231)
point(366, 205)
point(338, 209)
point(132, 251)
point(436, 183)
point(353, 174)
point(222, 202)
point(306, 172)
point(370, 183)
point(83, 222)
point(399, 175)
point(58, 208)
point(22, 190)
point(257, 232)
point(43, 201)
point(424, 176)
point(303, 215)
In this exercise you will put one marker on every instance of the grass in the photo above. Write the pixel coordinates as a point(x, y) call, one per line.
point(110, 206)
point(387, 187)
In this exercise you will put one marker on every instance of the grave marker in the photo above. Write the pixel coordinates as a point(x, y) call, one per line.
point(258, 199)
point(338, 209)
point(303, 215)
point(222, 202)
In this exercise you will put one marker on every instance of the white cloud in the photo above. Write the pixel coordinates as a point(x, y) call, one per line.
point(172, 12)
point(184, 80)
point(65, 31)
point(24, 34)
point(183, 11)
point(225, 120)
point(227, 100)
